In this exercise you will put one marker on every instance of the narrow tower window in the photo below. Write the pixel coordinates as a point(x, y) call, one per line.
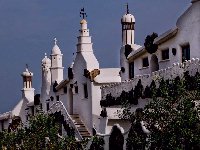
point(131, 70)
point(85, 90)
point(47, 106)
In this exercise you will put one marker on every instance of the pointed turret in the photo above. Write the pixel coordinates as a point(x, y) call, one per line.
point(27, 91)
point(56, 63)
point(128, 27)
point(84, 40)
point(46, 80)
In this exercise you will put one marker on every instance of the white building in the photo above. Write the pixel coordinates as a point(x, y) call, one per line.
point(176, 45)
point(78, 96)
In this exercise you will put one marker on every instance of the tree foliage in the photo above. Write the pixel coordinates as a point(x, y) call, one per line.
point(41, 133)
point(172, 116)
point(149, 44)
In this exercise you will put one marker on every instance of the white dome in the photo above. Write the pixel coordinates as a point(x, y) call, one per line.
point(27, 73)
point(46, 60)
point(128, 18)
point(56, 50)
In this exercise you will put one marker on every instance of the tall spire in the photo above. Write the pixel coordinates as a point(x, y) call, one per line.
point(127, 9)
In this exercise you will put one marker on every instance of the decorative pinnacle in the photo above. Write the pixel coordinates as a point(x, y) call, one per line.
point(55, 41)
point(127, 9)
point(26, 67)
point(45, 54)
point(83, 13)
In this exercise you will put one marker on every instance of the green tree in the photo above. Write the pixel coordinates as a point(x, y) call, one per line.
point(171, 116)
point(40, 134)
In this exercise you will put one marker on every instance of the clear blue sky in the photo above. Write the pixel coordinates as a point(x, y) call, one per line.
point(28, 27)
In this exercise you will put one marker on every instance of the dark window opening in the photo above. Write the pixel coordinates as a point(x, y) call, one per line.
point(76, 89)
point(70, 73)
point(174, 51)
point(57, 98)
point(51, 98)
point(185, 53)
point(165, 54)
point(145, 62)
point(32, 110)
point(37, 99)
point(128, 26)
point(85, 90)
point(54, 86)
point(47, 106)
point(27, 117)
point(131, 70)
point(65, 89)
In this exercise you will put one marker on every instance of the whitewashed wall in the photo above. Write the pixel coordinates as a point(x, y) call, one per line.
point(177, 69)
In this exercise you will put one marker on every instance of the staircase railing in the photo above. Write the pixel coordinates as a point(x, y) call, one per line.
point(59, 107)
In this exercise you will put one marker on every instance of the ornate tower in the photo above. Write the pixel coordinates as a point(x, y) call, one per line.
point(128, 27)
point(46, 79)
point(56, 64)
point(84, 40)
point(27, 91)
point(84, 46)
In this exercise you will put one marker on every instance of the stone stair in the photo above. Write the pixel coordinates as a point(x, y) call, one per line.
point(80, 126)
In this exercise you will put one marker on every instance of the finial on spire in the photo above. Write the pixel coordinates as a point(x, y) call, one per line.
point(55, 41)
point(45, 55)
point(127, 9)
point(83, 13)
point(26, 66)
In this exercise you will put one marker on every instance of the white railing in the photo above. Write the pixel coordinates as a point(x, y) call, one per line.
point(59, 107)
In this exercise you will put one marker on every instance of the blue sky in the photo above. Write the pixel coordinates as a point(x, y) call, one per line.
point(28, 27)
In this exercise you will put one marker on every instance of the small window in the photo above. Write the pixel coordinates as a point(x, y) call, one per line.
point(145, 62)
point(131, 70)
point(32, 110)
point(51, 98)
point(185, 53)
point(27, 117)
point(47, 106)
point(85, 90)
point(65, 89)
point(165, 54)
point(57, 98)
point(76, 89)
